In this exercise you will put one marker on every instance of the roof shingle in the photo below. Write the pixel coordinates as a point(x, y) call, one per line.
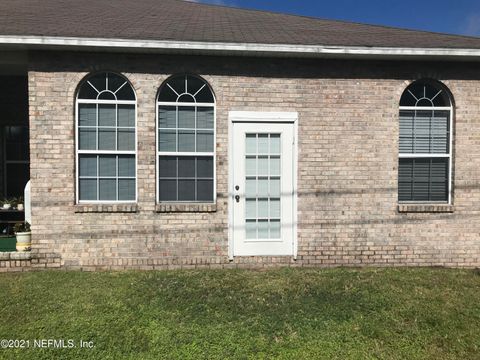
point(187, 21)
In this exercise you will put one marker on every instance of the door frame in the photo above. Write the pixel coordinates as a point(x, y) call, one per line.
point(261, 117)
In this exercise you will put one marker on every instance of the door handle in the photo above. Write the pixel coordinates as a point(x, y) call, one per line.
point(237, 198)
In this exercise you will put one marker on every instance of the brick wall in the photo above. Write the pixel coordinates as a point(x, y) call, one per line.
point(347, 170)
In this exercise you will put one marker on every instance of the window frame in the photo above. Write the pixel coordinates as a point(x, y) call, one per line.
point(79, 152)
point(195, 154)
point(448, 156)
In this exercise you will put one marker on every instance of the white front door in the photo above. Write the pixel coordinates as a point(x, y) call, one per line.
point(262, 194)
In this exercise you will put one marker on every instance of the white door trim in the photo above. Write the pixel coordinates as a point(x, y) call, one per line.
point(261, 117)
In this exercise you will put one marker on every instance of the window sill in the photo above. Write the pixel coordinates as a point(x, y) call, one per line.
point(425, 208)
point(106, 208)
point(191, 207)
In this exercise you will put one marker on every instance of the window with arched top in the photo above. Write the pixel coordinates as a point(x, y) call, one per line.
point(425, 143)
point(106, 139)
point(186, 140)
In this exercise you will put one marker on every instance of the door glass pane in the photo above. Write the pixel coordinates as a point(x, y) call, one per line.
point(251, 229)
point(274, 165)
point(251, 209)
point(262, 165)
point(251, 188)
point(251, 165)
point(274, 229)
point(274, 208)
point(263, 229)
point(263, 208)
point(251, 144)
point(274, 143)
point(263, 144)
point(275, 187)
point(262, 186)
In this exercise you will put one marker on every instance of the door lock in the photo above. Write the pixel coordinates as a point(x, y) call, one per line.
point(237, 198)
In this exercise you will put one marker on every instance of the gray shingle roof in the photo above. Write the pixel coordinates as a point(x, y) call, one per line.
point(186, 21)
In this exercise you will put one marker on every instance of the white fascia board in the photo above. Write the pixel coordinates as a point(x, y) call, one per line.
point(233, 48)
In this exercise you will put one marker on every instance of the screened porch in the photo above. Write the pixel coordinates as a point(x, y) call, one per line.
point(14, 145)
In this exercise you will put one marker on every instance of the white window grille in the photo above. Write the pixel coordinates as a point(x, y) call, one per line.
point(106, 143)
point(425, 144)
point(186, 141)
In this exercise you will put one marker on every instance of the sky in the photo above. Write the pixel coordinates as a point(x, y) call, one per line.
point(447, 16)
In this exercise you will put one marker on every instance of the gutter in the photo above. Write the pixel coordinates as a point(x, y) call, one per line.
point(225, 48)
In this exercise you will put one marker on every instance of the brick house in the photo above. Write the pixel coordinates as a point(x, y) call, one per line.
point(177, 134)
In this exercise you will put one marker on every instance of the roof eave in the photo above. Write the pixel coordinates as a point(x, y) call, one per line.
point(234, 49)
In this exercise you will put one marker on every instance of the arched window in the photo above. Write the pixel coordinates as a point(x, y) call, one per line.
point(106, 139)
point(425, 144)
point(186, 140)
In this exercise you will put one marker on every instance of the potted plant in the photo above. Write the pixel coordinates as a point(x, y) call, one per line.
point(19, 203)
point(7, 204)
point(24, 236)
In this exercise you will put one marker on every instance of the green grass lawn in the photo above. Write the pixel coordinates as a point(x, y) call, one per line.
point(283, 313)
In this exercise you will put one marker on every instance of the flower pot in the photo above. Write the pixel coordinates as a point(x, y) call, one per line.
point(24, 241)
point(20, 207)
point(7, 206)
